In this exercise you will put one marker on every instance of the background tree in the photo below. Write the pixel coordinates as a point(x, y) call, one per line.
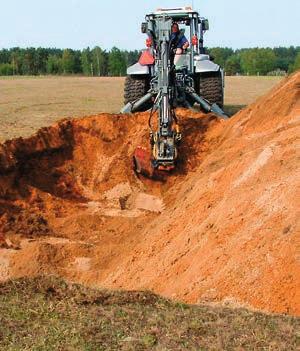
point(68, 61)
point(258, 61)
point(220, 55)
point(296, 65)
point(29, 65)
point(6, 69)
point(117, 62)
point(54, 65)
point(5, 56)
point(33, 61)
point(86, 62)
point(132, 57)
point(77, 62)
point(40, 60)
point(99, 61)
point(16, 60)
point(285, 57)
point(233, 65)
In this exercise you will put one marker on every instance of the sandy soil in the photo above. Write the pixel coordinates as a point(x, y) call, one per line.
point(223, 227)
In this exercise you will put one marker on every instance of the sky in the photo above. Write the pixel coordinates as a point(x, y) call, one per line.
point(77, 24)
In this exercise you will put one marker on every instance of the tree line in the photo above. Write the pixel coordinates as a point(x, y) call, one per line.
point(99, 62)
point(258, 61)
point(89, 62)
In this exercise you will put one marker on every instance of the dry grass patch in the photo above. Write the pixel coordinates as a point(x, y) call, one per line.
point(49, 314)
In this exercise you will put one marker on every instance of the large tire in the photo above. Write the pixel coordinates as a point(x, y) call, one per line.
point(211, 88)
point(135, 88)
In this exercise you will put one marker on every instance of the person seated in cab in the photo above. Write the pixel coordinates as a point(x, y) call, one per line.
point(179, 41)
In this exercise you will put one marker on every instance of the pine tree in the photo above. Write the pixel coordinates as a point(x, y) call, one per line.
point(85, 59)
point(99, 61)
point(296, 65)
point(68, 61)
point(116, 62)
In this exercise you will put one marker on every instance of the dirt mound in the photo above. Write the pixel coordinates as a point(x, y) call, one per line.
point(222, 227)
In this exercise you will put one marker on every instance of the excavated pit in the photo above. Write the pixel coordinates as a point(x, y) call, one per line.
point(222, 227)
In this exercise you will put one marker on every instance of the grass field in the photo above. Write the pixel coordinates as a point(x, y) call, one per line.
point(49, 314)
point(28, 103)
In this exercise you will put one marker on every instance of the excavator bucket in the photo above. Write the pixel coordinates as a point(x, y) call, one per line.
point(142, 163)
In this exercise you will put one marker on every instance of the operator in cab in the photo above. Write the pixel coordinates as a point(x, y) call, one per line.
point(180, 42)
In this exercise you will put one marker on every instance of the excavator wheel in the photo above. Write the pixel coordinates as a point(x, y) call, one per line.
point(211, 88)
point(135, 88)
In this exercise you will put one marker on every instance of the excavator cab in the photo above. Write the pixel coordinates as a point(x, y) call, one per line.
point(207, 76)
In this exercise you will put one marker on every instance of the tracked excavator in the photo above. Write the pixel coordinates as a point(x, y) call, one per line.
point(160, 82)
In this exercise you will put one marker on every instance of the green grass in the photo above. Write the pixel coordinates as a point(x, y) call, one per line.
point(49, 314)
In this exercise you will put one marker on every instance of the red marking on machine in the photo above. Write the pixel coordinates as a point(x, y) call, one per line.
point(146, 58)
point(142, 162)
point(195, 40)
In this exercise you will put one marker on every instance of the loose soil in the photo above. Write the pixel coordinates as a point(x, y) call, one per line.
point(222, 228)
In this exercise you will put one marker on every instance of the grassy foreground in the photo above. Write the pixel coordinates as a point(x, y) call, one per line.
point(49, 314)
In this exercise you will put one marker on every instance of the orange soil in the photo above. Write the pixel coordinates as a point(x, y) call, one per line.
point(222, 227)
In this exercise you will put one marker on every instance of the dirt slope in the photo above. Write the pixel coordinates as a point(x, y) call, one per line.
point(223, 227)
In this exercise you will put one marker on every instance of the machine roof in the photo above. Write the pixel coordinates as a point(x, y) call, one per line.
point(176, 12)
